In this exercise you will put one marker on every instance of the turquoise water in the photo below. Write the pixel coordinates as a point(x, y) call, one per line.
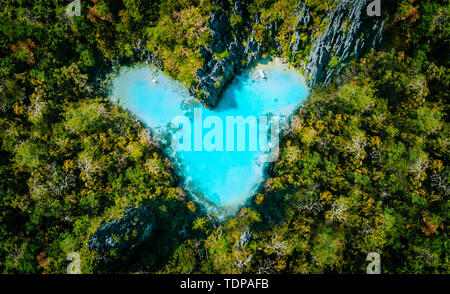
point(222, 180)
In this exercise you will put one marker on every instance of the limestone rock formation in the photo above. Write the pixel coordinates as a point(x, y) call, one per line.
point(304, 19)
point(125, 233)
point(350, 32)
point(244, 238)
point(219, 68)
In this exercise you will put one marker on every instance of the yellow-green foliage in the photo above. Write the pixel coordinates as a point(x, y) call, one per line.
point(363, 166)
point(176, 37)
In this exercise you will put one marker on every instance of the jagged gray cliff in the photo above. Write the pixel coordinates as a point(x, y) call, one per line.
point(350, 32)
point(216, 72)
point(304, 19)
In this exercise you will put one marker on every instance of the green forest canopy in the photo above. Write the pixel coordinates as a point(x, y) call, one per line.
point(363, 167)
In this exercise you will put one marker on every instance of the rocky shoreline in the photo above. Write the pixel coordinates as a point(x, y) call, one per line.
point(216, 72)
point(350, 33)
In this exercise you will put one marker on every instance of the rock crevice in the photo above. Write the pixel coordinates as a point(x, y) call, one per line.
point(228, 52)
point(350, 32)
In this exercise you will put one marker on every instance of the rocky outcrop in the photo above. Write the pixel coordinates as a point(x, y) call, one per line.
point(244, 238)
point(304, 20)
point(125, 233)
point(350, 32)
point(224, 57)
point(219, 24)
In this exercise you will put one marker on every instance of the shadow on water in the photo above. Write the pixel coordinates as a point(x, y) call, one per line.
point(228, 98)
point(227, 104)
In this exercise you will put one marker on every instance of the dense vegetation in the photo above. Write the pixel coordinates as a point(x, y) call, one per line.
point(70, 160)
point(363, 167)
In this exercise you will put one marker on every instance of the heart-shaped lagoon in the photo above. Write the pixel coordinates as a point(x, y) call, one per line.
point(220, 153)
